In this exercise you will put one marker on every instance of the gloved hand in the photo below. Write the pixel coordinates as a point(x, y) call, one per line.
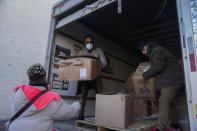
point(80, 101)
point(50, 86)
point(100, 67)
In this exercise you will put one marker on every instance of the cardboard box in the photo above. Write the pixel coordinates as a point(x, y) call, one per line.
point(141, 109)
point(128, 85)
point(140, 106)
point(80, 69)
point(114, 110)
point(143, 89)
point(155, 107)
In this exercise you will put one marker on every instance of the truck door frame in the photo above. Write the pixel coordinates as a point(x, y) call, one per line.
point(50, 45)
point(184, 19)
point(186, 32)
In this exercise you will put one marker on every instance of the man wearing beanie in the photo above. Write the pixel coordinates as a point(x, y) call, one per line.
point(164, 67)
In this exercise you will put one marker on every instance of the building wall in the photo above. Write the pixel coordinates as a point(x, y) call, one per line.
point(23, 36)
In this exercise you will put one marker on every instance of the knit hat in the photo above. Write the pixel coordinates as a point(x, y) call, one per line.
point(149, 43)
point(36, 72)
point(142, 44)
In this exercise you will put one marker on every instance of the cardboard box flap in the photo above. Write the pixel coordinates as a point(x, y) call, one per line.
point(137, 75)
point(77, 63)
point(83, 56)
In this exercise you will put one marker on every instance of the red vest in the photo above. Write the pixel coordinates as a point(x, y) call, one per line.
point(30, 92)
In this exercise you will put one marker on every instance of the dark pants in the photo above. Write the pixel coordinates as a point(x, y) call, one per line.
point(167, 111)
point(85, 87)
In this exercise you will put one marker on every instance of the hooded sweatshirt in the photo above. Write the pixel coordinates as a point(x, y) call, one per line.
point(164, 67)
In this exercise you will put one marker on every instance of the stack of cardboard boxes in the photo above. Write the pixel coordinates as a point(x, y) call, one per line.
point(119, 110)
point(112, 110)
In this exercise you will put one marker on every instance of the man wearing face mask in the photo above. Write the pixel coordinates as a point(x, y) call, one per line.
point(166, 70)
point(85, 86)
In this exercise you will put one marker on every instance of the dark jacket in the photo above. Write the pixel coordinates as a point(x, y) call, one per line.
point(164, 67)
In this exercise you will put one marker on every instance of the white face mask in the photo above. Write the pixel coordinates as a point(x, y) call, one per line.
point(89, 46)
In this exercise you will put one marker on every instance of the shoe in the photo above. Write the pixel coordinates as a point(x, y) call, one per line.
point(170, 128)
point(173, 127)
point(154, 129)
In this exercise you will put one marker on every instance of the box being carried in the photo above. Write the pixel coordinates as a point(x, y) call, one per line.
point(143, 89)
point(114, 110)
point(128, 85)
point(80, 69)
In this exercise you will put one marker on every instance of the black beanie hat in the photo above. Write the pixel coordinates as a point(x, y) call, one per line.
point(149, 43)
point(141, 45)
point(36, 72)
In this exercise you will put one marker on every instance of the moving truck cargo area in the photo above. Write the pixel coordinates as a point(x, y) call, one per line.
point(118, 27)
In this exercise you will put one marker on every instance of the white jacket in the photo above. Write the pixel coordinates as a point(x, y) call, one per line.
point(40, 119)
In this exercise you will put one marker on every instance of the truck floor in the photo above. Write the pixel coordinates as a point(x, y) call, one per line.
point(66, 125)
point(61, 125)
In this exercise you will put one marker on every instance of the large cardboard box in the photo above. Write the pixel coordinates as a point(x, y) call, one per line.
point(143, 89)
point(80, 69)
point(128, 85)
point(140, 106)
point(114, 110)
point(141, 109)
point(155, 107)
